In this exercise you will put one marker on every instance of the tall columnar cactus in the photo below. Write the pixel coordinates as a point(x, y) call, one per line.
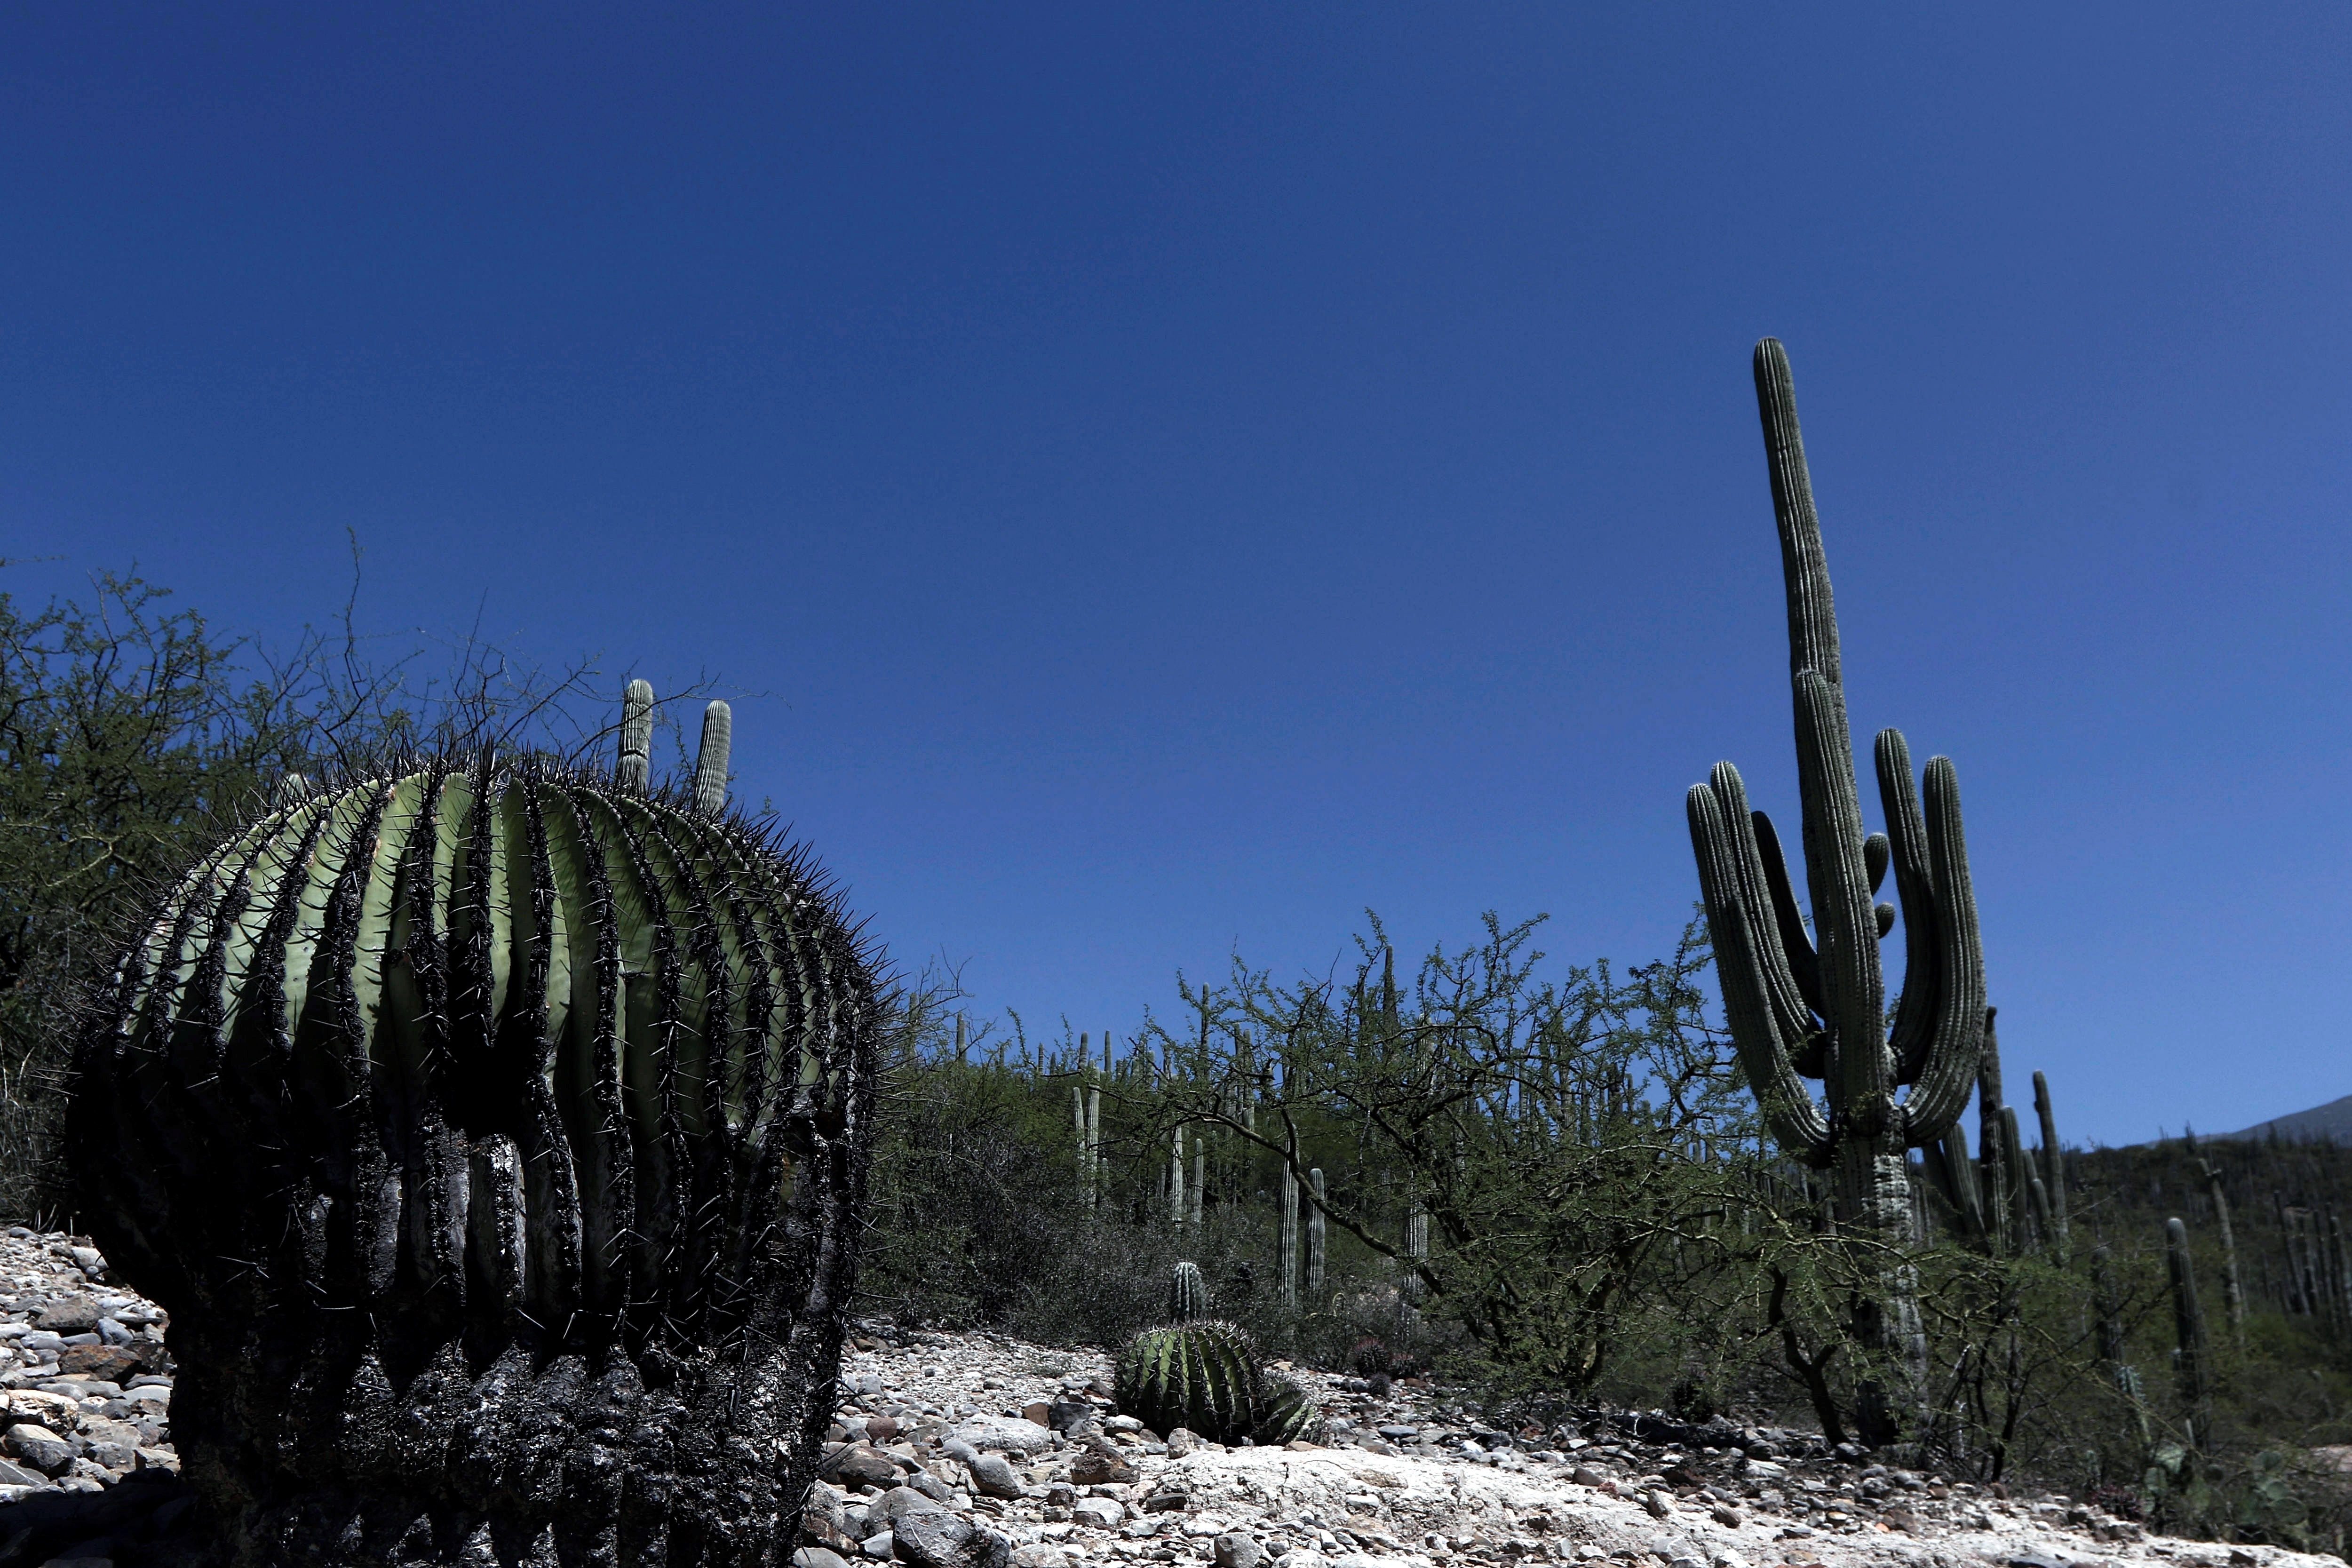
point(2053, 1160)
point(636, 770)
point(2233, 1294)
point(2192, 1362)
point(1799, 1011)
point(1188, 1293)
point(1286, 1198)
point(495, 1136)
point(710, 762)
point(1315, 1237)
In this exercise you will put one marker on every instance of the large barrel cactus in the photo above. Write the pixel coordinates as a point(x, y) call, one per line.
point(494, 1135)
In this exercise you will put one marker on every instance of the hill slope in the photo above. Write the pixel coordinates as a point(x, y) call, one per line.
point(2331, 1121)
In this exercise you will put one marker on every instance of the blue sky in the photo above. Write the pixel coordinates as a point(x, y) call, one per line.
point(1184, 475)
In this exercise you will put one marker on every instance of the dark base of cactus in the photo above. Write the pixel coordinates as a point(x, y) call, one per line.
point(521, 1462)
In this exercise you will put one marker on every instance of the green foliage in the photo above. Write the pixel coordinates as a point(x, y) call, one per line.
point(1547, 1129)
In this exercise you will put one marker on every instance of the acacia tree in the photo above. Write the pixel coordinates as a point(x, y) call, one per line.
point(1543, 1131)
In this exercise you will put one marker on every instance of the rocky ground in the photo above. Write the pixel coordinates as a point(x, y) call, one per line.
point(976, 1451)
point(984, 1436)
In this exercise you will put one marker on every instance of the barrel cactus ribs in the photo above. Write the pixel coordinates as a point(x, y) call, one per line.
point(494, 1134)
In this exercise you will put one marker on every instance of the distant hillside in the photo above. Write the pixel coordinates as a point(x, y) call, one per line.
point(2332, 1120)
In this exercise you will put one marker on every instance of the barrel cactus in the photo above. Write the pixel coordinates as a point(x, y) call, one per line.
point(1206, 1377)
point(494, 1134)
point(1188, 1294)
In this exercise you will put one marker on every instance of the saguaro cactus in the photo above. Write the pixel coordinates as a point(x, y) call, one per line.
point(494, 1137)
point(1797, 1011)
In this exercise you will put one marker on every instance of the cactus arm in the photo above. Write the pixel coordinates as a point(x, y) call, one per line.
point(1914, 884)
point(1800, 1031)
point(1763, 1044)
point(1963, 1174)
point(1796, 943)
point(711, 761)
point(1962, 1020)
point(636, 735)
point(1851, 981)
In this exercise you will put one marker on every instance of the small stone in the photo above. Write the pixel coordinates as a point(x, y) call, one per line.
point(1234, 1549)
point(1301, 1446)
point(935, 1538)
point(1306, 1557)
point(860, 1463)
point(17, 1476)
point(995, 1476)
point(1660, 1505)
point(879, 1546)
point(1036, 1412)
point(39, 1446)
point(1724, 1557)
point(74, 1315)
point(1061, 1494)
point(1170, 1500)
point(1099, 1512)
point(1008, 1434)
point(1725, 1515)
point(1101, 1465)
point(899, 1502)
point(1586, 1475)
point(1038, 1554)
point(817, 1557)
point(1065, 1415)
point(881, 1428)
point(1181, 1442)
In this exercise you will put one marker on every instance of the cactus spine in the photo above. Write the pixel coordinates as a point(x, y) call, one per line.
point(1188, 1294)
point(1798, 1011)
point(2192, 1362)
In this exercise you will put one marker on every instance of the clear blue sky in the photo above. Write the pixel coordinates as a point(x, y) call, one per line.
point(1190, 473)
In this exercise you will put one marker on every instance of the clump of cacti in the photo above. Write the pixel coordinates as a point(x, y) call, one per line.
point(1207, 1377)
point(494, 1134)
point(1188, 1294)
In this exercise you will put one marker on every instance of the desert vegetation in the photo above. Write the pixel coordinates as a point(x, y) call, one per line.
point(1566, 1185)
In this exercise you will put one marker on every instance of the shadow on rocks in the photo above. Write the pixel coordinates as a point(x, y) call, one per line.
point(139, 1523)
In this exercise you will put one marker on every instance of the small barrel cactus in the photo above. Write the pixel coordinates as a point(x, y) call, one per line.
point(494, 1134)
point(1188, 1294)
point(1206, 1377)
